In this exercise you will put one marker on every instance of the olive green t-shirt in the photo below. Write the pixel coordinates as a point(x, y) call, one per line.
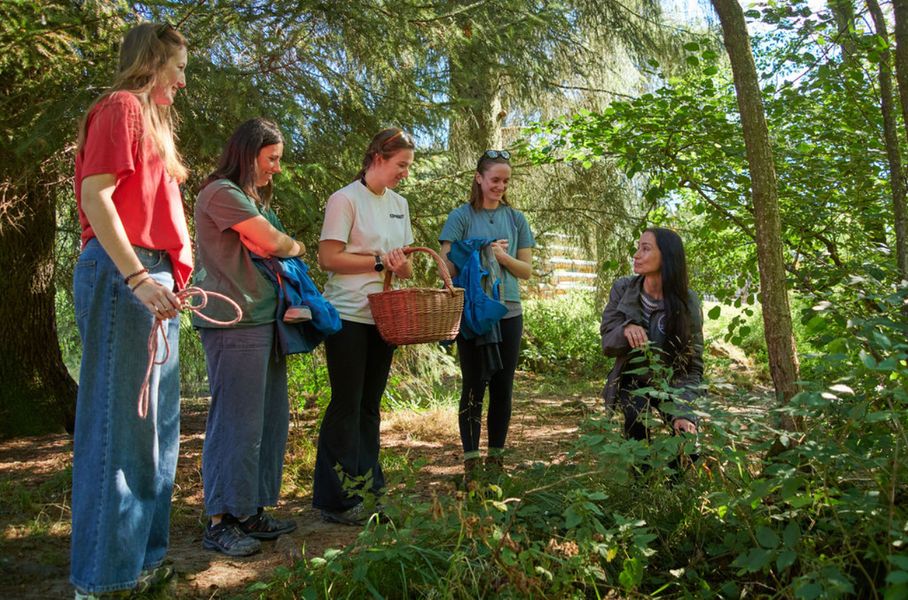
point(223, 264)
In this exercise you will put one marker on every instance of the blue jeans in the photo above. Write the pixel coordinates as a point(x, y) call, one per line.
point(246, 433)
point(123, 466)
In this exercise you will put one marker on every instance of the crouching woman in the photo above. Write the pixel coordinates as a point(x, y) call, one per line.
point(654, 308)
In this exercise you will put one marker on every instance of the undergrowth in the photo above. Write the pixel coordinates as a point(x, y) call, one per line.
point(761, 512)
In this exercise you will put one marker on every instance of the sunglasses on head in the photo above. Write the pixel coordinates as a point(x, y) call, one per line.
point(163, 28)
point(392, 138)
point(493, 154)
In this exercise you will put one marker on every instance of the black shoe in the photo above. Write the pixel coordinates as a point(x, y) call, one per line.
point(263, 526)
point(495, 466)
point(357, 515)
point(227, 537)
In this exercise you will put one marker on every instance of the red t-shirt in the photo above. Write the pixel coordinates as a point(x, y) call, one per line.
point(146, 198)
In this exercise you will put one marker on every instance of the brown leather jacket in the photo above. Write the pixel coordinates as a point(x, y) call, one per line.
point(624, 307)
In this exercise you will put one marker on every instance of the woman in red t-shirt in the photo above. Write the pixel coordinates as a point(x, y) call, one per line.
point(135, 254)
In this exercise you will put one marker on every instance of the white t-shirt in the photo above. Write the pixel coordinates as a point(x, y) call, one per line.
point(367, 224)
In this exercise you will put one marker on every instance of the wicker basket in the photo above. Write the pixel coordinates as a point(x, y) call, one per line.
point(418, 315)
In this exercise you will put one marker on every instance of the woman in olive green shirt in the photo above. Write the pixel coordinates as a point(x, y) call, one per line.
point(246, 434)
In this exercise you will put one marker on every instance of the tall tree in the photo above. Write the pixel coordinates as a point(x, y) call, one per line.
point(46, 51)
point(783, 361)
point(900, 10)
point(890, 133)
point(843, 13)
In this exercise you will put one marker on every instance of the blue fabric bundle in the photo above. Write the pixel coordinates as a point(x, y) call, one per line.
point(482, 309)
point(295, 288)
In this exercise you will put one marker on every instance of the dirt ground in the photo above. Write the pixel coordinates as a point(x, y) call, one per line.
point(35, 485)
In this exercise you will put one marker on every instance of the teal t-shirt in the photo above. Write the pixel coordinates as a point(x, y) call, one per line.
point(223, 264)
point(502, 223)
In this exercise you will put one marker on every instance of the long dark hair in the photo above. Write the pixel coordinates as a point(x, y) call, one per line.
point(386, 142)
point(476, 190)
point(675, 295)
point(238, 160)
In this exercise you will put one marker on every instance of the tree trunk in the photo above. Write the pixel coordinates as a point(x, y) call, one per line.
point(843, 12)
point(476, 83)
point(891, 137)
point(900, 8)
point(37, 395)
point(783, 360)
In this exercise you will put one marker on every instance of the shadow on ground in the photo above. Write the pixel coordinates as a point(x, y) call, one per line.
point(421, 447)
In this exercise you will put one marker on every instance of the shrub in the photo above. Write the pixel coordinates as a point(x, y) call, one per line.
point(824, 517)
point(561, 335)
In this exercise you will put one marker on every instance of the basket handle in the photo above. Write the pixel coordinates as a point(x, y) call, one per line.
point(442, 267)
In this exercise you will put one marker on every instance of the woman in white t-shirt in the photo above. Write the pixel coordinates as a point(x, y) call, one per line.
point(366, 227)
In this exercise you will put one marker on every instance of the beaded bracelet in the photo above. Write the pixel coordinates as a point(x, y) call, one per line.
point(138, 285)
point(131, 275)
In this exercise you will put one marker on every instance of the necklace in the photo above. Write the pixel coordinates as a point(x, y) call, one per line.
point(490, 214)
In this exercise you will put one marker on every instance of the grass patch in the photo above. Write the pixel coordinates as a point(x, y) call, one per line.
point(425, 425)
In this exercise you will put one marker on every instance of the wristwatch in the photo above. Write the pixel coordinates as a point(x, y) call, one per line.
point(379, 265)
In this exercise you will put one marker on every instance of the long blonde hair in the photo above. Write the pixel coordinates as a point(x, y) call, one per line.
point(145, 50)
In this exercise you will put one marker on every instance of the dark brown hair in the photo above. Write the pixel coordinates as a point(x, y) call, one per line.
point(476, 190)
point(238, 161)
point(387, 143)
point(675, 294)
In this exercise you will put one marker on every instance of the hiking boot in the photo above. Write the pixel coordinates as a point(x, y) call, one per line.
point(151, 579)
point(356, 515)
point(227, 537)
point(472, 470)
point(495, 465)
point(263, 526)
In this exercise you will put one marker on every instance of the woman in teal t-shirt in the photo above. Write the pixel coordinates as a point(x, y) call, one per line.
point(488, 215)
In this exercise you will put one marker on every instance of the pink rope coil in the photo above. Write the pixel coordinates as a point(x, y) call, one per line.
point(158, 327)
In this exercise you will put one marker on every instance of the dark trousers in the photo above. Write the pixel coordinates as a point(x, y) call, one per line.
point(248, 422)
point(500, 387)
point(634, 406)
point(359, 361)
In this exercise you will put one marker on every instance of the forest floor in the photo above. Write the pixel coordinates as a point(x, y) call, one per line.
point(423, 445)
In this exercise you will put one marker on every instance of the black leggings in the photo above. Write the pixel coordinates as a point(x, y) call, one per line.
point(358, 364)
point(500, 387)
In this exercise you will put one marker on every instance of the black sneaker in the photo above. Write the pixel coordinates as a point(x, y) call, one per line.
point(263, 526)
point(227, 537)
point(356, 515)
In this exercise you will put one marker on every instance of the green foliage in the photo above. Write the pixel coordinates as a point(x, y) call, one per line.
point(193, 368)
point(307, 379)
point(822, 516)
point(561, 335)
point(683, 143)
point(422, 376)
